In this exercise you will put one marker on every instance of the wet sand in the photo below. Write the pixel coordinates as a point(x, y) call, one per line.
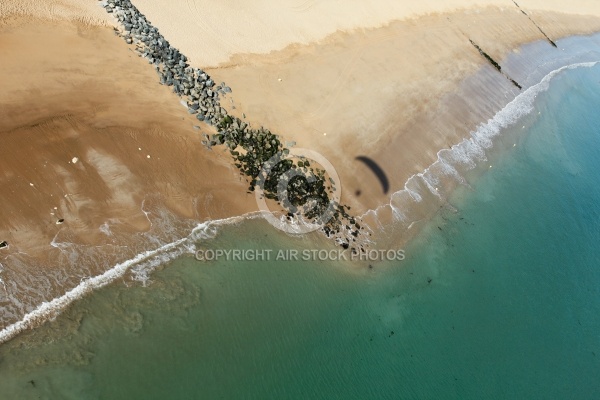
point(88, 133)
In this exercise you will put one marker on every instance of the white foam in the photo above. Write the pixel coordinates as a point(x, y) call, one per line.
point(472, 150)
point(141, 271)
point(151, 258)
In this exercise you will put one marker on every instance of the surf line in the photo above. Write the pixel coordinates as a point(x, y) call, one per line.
point(51, 309)
point(472, 148)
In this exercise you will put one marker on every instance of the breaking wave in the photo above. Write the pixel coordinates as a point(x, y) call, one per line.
point(140, 266)
point(439, 179)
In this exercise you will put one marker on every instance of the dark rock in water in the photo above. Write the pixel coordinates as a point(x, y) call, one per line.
point(3, 245)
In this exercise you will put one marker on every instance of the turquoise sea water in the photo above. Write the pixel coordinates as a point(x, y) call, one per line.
point(500, 299)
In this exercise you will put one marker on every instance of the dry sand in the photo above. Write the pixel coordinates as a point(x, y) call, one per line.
point(211, 32)
point(83, 11)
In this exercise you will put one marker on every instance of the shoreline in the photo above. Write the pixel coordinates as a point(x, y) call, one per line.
point(49, 310)
point(448, 173)
point(107, 150)
point(484, 73)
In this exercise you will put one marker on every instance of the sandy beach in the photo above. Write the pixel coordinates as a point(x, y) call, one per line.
point(90, 139)
point(89, 134)
point(366, 81)
point(386, 92)
point(213, 33)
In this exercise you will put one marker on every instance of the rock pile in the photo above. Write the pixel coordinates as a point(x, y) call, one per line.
point(192, 84)
point(250, 148)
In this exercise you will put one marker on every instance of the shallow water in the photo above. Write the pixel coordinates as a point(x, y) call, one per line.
point(500, 299)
